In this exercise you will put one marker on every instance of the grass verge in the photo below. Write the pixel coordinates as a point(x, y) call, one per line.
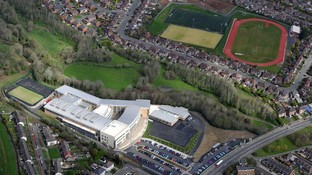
point(8, 158)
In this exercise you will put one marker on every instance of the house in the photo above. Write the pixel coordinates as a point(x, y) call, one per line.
point(19, 120)
point(29, 168)
point(21, 132)
point(283, 96)
point(203, 66)
point(182, 60)
point(261, 85)
point(108, 166)
point(201, 55)
point(304, 164)
point(49, 139)
point(281, 112)
point(245, 170)
point(236, 77)
point(173, 57)
point(301, 109)
point(275, 165)
point(57, 166)
point(92, 8)
point(91, 32)
point(291, 111)
point(100, 171)
point(24, 151)
point(65, 151)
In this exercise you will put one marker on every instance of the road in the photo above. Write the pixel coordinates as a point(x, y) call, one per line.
point(136, 3)
point(257, 143)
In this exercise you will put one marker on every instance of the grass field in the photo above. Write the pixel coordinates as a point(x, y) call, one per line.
point(279, 146)
point(25, 95)
point(8, 158)
point(54, 153)
point(192, 36)
point(256, 42)
point(50, 42)
point(112, 77)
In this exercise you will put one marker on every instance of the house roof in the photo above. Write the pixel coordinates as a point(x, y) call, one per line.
point(295, 29)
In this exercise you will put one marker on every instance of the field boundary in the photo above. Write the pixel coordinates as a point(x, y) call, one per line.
point(232, 35)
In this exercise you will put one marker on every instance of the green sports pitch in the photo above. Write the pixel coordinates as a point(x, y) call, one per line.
point(26, 95)
point(256, 42)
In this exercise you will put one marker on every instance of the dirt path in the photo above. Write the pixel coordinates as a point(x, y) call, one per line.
point(215, 135)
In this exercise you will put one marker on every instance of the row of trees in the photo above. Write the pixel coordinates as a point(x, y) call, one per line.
point(225, 90)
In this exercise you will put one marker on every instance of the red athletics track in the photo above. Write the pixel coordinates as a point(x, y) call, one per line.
point(230, 41)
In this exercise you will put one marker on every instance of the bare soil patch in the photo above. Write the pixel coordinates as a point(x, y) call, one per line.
point(215, 135)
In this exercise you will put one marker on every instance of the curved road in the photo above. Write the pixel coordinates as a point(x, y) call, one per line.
point(136, 3)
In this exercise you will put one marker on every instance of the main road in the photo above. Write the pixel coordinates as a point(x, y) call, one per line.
point(121, 32)
point(255, 144)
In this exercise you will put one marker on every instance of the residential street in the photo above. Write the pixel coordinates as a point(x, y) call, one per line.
point(136, 3)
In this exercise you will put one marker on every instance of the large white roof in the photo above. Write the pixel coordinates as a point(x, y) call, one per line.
point(164, 116)
point(95, 100)
point(104, 111)
point(181, 111)
point(77, 114)
point(74, 106)
point(129, 115)
point(114, 128)
point(78, 93)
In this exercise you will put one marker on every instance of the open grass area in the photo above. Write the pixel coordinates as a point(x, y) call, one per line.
point(5, 80)
point(261, 123)
point(54, 153)
point(279, 146)
point(25, 95)
point(274, 69)
point(256, 42)
point(49, 41)
point(192, 36)
point(117, 74)
point(8, 158)
point(291, 142)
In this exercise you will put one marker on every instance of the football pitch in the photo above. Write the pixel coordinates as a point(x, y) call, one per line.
point(192, 36)
point(257, 42)
point(25, 95)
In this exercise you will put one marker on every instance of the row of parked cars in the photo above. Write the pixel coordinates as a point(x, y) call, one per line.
point(166, 156)
point(160, 160)
point(217, 152)
point(150, 165)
